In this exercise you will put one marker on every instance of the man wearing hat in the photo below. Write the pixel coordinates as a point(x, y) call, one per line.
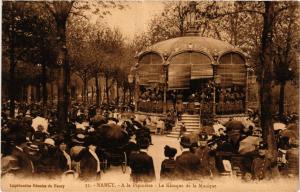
point(168, 165)
point(89, 160)
point(261, 165)
point(141, 164)
point(187, 164)
point(207, 161)
point(24, 164)
point(34, 153)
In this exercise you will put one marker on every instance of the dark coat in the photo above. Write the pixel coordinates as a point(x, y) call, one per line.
point(48, 163)
point(61, 161)
point(261, 168)
point(292, 157)
point(143, 132)
point(167, 170)
point(24, 163)
point(142, 167)
point(207, 161)
point(88, 165)
point(187, 166)
point(131, 147)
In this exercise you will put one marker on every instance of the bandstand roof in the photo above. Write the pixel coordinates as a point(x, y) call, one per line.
point(189, 58)
point(208, 45)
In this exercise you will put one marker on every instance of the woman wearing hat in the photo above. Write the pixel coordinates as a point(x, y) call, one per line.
point(89, 160)
point(78, 146)
point(48, 152)
point(62, 157)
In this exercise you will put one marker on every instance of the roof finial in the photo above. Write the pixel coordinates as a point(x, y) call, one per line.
point(192, 25)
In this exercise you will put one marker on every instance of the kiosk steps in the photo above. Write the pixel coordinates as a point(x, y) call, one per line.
point(191, 122)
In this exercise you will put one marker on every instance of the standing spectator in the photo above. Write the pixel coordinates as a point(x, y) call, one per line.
point(182, 129)
point(141, 164)
point(89, 160)
point(78, 142)
point(63, 158)
point(207, 162)
point(160, 127)
point(261, 166)
point(24, 164)
point(168, 166)
point(187, 164)
point(47, 165)
point(143, 132)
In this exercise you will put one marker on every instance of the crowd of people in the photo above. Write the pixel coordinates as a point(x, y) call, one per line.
point(230, 151)
point(34, 145)
point(230, 100)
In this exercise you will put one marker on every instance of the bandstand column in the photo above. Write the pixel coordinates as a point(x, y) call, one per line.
point(214, 65)
point(165, 69)
point(136, 92)
point(247, 87)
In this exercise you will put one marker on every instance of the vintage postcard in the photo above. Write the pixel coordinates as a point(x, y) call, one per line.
point(150, 96)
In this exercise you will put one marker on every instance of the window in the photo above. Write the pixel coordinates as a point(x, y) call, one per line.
point(232, 58)
point(151, 58)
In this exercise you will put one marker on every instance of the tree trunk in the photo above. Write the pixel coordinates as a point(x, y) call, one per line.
point(266, 80)
point(117, 93)
point(124, 95)
point(97, 90)
point(281, 99)
point(62, 104)
point(106, 89)
point(82, 94)
point(12, 66)
point(130, 96)
point(92, 99)
point(85, 92)
point(38, 92)
point(24, 93)
point(52, 93)
point(44, 88)
point(32, 93)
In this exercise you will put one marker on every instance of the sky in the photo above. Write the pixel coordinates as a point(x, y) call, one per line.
point(135, 18)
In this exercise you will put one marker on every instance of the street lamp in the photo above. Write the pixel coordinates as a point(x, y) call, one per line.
point(165, 71)
point(133, 78)
point(130, 78)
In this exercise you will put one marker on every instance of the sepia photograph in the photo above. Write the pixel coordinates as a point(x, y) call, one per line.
point(145, 95)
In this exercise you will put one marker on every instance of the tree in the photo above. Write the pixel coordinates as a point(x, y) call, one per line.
point(23, 30)
point(285, 48)
point(61, 11)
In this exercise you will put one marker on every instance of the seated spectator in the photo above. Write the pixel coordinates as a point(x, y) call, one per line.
point(292, 157)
